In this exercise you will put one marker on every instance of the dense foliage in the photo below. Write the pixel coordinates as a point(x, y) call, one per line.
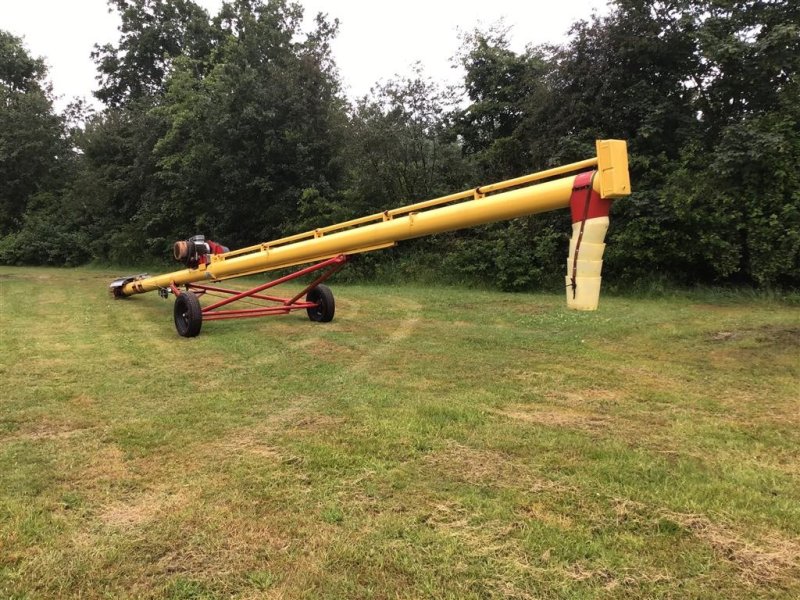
point(234, 125)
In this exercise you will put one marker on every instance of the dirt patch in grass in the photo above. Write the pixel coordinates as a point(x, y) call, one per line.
point(244, 442)
point(142, 509)
point(776, 335)
point(613, 580)
point(553, 416)
point(486, 467)
point(539, 511)
point(768, 335)
point(594, 395)
point(83, 400)
point(773, 560)
point(487, 539)
point(724, 336)
point(107, 465)
point(47, 430)
point(580, 572)
point(237, 545)
point(297, 419)
point(300, 416)
point(326, 349)
point(638, 377)
point(746, 408)
point(535, 378)
point(316, 422)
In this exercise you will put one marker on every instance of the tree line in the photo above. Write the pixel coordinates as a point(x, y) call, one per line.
point(235, 125)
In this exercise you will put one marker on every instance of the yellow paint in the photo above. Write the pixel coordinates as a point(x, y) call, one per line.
point(587, 293)
point(404, 210)
point(585, 268)
point(612, 168)
point(588, 251)
point(589, 264)
point(594, 230)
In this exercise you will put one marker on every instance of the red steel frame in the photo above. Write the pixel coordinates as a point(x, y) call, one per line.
point(284, 305)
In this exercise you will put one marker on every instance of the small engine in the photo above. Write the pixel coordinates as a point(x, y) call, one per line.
point(196, 250)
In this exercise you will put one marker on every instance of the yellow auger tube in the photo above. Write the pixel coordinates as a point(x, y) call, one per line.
point(611, 181)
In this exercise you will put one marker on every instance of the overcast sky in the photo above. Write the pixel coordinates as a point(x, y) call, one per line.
point(376, 40)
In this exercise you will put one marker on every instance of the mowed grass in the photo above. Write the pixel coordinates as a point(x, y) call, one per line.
point(428, 443)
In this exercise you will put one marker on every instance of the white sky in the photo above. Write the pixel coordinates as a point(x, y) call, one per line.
point(377, 39)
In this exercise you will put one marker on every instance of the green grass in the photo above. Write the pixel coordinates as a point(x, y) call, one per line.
point(429, 443)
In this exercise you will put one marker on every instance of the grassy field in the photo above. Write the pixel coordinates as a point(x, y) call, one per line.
point(429, 443)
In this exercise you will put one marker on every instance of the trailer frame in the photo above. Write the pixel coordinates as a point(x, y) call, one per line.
point(281, 305)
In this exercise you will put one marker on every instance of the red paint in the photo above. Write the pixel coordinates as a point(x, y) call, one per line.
point(284, 305)
point(215, 249)
point(598, 207)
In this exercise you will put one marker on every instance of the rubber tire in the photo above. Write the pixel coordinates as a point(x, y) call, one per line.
point(323, 296)
point(188, 315)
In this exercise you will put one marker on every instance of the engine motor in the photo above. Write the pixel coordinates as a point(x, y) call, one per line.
point(196, 250)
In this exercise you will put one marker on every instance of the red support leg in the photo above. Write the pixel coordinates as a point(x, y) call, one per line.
point(285, 305)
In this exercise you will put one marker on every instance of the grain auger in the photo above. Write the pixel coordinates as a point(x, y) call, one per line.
point(587, 187)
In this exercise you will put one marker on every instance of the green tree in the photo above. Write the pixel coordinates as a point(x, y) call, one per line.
point(505, 129)
point(626, 76)
point(153, 33)
point(117, 182)
point(736, 183)
point(506, 91)
point(213, 125)
point(33, 153)
point(401, 149)
point(119, 166)
point(246, 140)
point(400, 146)
point(705, 93)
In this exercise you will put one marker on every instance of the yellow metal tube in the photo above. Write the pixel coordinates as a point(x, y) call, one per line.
point(385, 229)
point(533, 177)
point(481, 191)
point(506, 205)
